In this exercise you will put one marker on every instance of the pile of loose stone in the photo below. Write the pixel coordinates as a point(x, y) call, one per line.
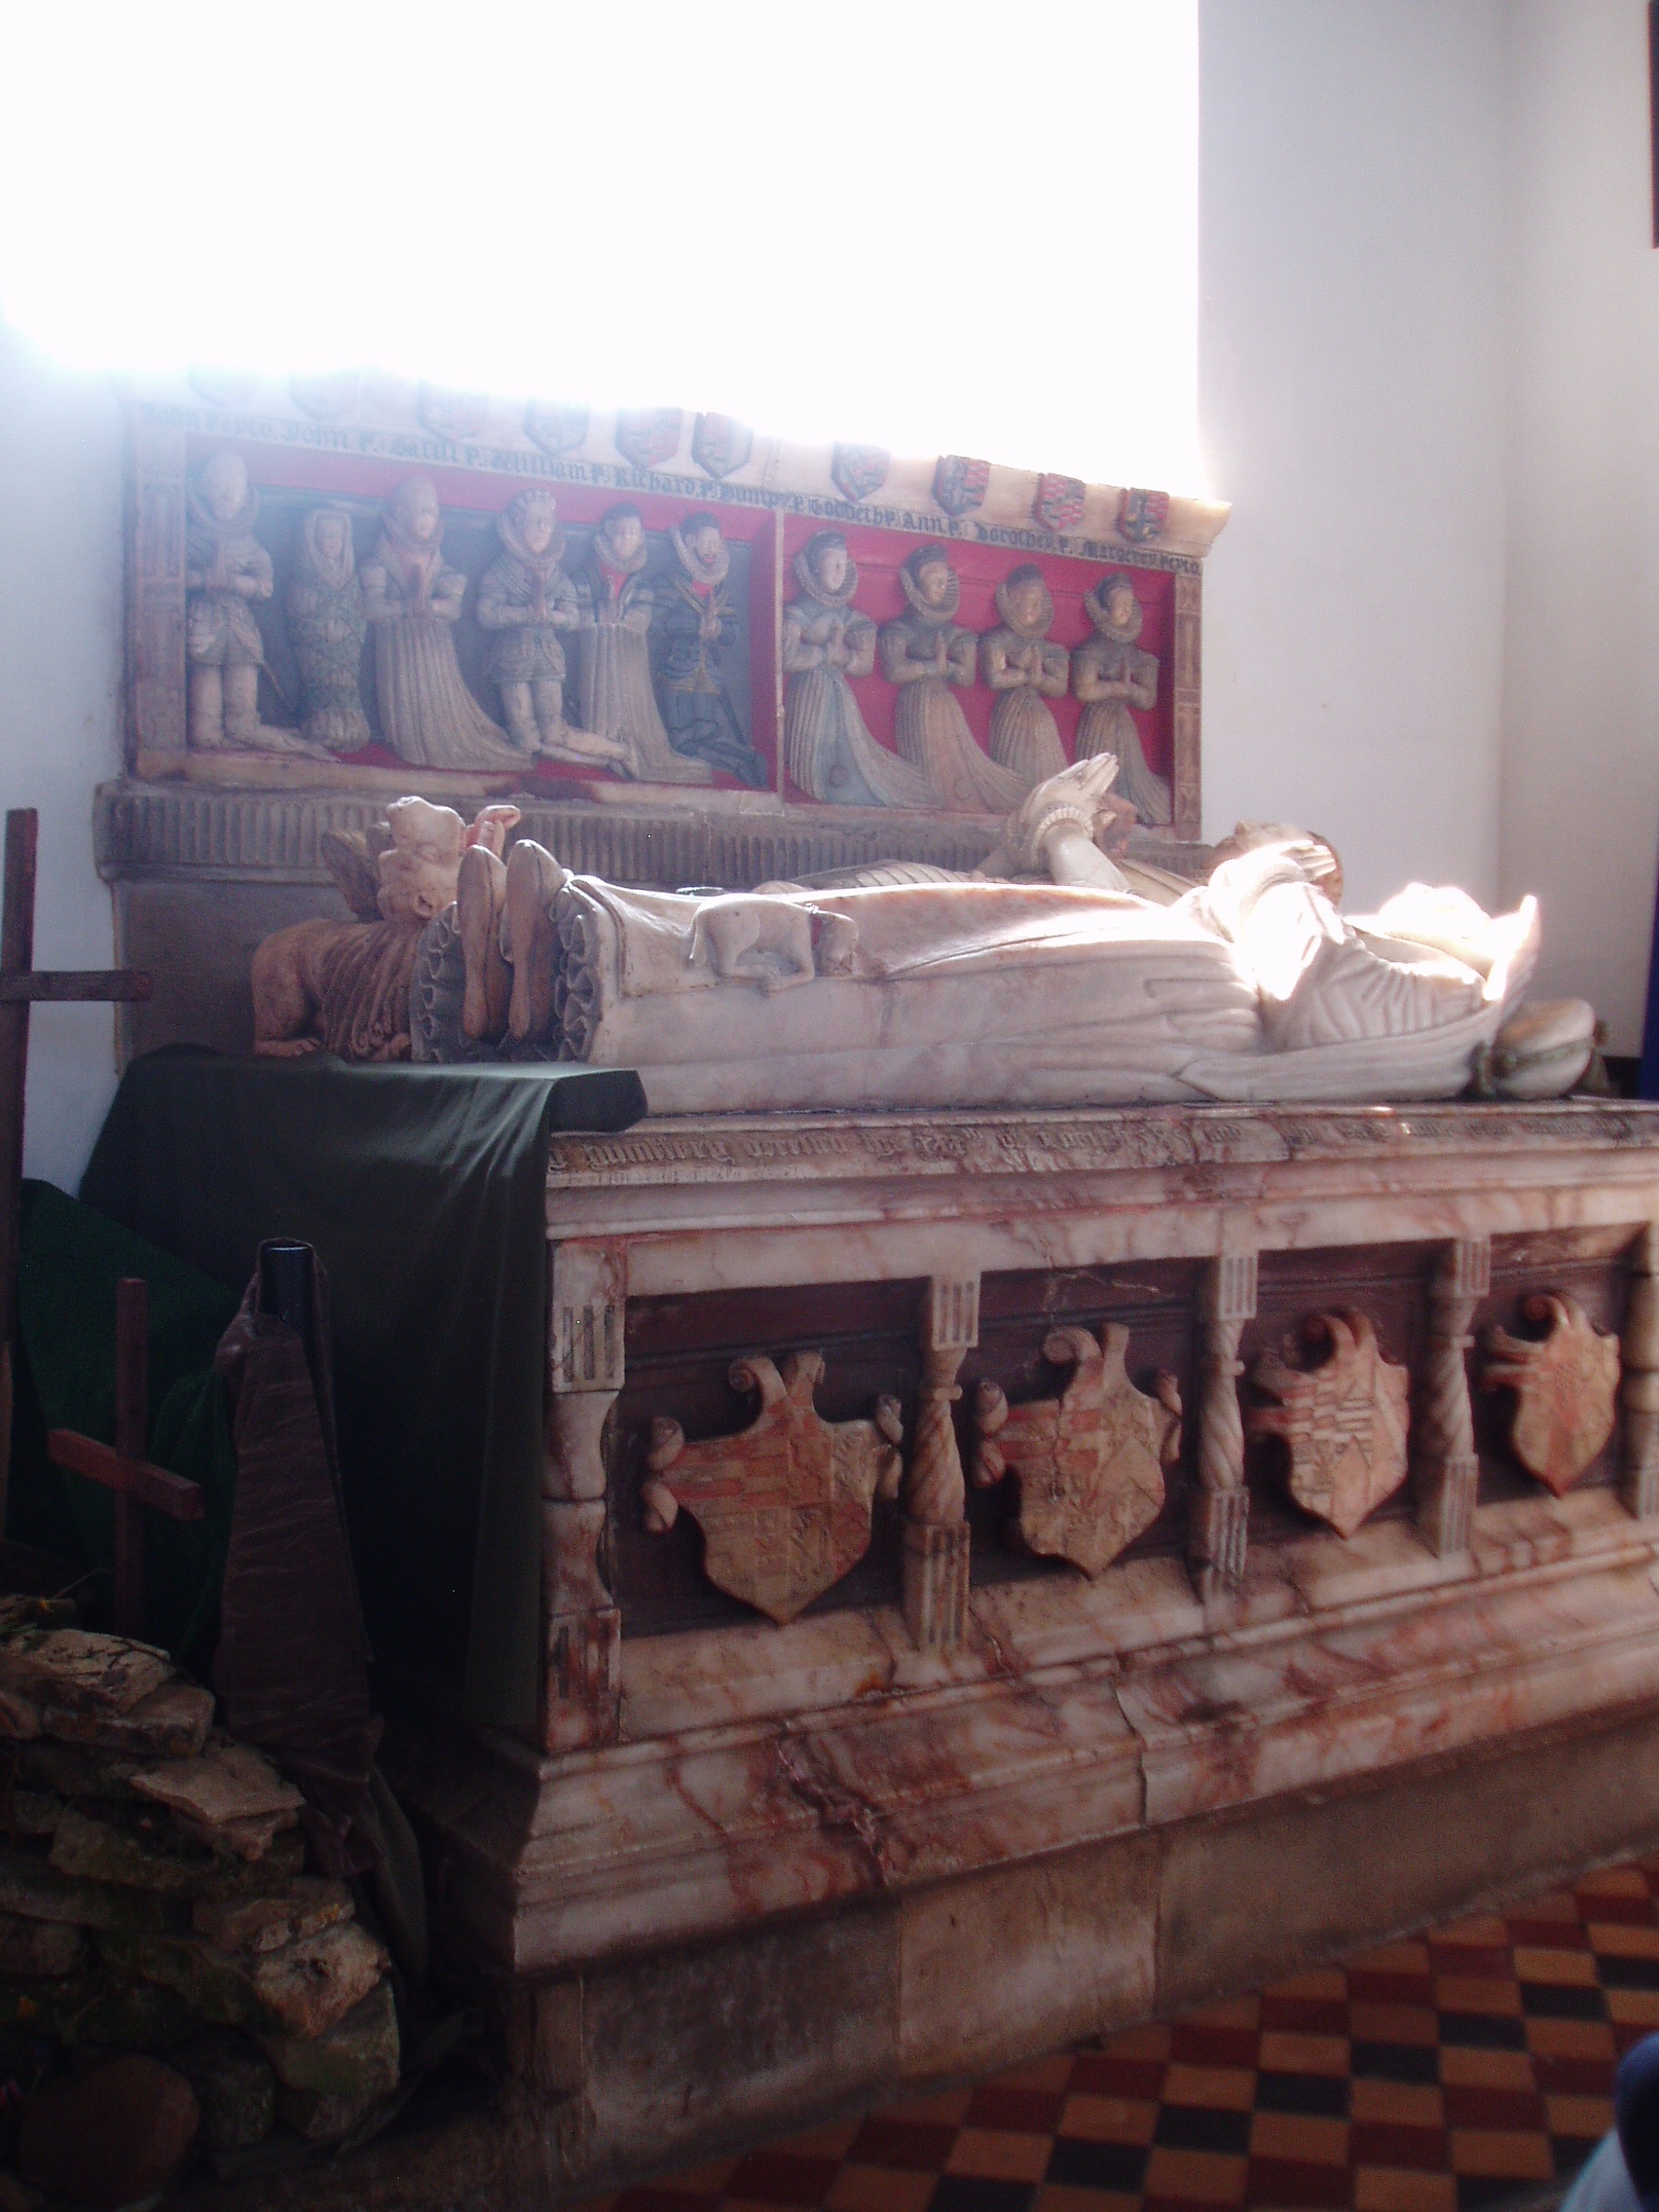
point(154, 1898)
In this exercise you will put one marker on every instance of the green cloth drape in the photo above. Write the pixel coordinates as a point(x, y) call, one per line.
point(423, 1190)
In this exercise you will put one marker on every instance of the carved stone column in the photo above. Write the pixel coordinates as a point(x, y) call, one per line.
point(1442, 1422)
point(1218, 1535)
point(936, 1528)
point(1638, 1351)
point(583, 1627)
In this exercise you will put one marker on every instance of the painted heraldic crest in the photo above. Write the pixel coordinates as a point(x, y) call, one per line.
point(646, 436)
point(859, 470)
point(1566, 1388)
point(1090, 1464)
point(785, 1506)
point(1339, 1409)
point(1058, 504)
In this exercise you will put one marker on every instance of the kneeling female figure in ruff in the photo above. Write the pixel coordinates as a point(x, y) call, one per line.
point(926, 652)
point(413, 600)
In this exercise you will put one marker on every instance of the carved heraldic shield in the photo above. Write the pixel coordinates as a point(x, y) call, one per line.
point(1142, 515)
point(859, 470)
point(785, 1506)
point(1566, 1388)
point(1058, 504)
point(1090, 1464)
point(721, 443)
point(1343, 1418)
point(648, 435)
point(959, 484)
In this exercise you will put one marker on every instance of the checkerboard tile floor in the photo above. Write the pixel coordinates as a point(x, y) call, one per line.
point(1468, 2068)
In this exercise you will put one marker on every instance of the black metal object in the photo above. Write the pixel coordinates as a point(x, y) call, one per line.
point(287, 1290)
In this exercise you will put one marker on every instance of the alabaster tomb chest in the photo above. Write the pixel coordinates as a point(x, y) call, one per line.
point(1007, 1575)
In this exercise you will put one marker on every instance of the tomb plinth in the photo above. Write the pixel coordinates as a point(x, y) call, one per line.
point(849, 1779)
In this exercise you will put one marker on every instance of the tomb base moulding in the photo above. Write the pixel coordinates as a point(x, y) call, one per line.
point(941, 1817)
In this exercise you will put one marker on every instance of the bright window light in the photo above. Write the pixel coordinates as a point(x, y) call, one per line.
point(939, 228)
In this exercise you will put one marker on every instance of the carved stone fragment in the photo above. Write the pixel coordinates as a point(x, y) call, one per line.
point(785, 1506)
point(1343, 1421)
point(1442, 1449)
point(1565, 1384)
point(1090, 1463)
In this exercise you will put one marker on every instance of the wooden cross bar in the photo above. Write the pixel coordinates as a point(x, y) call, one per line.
point(23, 985)
point(138, 1485)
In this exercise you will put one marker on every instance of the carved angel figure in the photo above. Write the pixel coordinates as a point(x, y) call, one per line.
point(1111, 674)
point(528, 604)
point(614, 695)
point(226, 570)
point(926, 654)
point(327, 628)
point(696, 628)
point(1019, 663)
point(828, 751)
point(414, 599)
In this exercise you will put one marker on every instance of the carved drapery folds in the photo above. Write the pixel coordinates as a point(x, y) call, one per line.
point(1090, 1464)
point(1443, 1437)
point(1341, 1409)
point(936, 1528)
point(785, 1506)
point(1219, 1532)
point(1566, 1388)
point(1640, 1475)
point(583, 1626)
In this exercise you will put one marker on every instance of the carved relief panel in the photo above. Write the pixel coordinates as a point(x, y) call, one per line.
point(466, 639)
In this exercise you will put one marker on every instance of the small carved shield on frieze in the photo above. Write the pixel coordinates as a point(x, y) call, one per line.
point(785, 1506)
point(328, 398)
point(646, 436)
point(1142, 515)
point(1058, 504)
point(1090, 1462)
point(224, 388)
point(555, 430)
point(1341, 1409)
point(451, 415)
point(721, 443)
point(1565, 1386)
point(859, 470)
point(959, 484)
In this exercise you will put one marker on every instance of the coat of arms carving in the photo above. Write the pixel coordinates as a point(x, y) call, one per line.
point(721, 443)
point(959, 484)
point(1565, 1384)
point(555, 430)
point(1058, 504)
point(327, 398)
point(1142, 515)
point(785, 1506)
point(1341, 1409)
point(451, 415)
point(1090, 1463)
point(859, 470)
point(648, 435)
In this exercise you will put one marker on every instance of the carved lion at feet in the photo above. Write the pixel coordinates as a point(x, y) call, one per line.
point(344, 986)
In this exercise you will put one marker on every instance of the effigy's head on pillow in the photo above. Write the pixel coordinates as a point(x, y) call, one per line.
point(1316, 856)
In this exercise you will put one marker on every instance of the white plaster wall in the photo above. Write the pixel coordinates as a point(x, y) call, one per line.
point(1580, 798)
point(61, 632)
point(1350, 398)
